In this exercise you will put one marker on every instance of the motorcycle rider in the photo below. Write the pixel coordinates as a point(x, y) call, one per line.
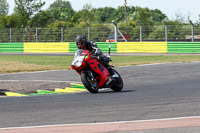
point(82, 43)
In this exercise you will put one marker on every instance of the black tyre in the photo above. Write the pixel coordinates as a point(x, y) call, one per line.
point(90, 85)
point(118, 85)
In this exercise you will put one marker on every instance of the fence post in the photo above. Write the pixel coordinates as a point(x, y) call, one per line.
point(10, 35)
point(140, 30)
point(115, 30)
point(88, 30)
point(61, 34)
point(9, 26)
point(192, 30)
point(61, 31)
point(36, 34)
point(166, 31)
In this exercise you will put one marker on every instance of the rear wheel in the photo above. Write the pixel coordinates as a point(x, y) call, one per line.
point(118, 85)
point(90, 84)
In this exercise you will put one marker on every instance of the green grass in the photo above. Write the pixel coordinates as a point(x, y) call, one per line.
point(26, 63)
point(137, 60)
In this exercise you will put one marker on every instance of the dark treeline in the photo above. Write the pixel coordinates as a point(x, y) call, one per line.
point(30, 23)
point(28, 13)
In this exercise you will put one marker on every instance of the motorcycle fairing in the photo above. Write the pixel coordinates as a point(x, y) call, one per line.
point(103, 73)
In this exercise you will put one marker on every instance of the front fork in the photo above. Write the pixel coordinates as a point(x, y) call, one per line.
point(90, 74)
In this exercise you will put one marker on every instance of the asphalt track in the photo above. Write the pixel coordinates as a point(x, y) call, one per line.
point(152, 93)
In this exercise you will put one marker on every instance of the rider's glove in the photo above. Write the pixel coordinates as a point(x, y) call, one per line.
point(108, 59)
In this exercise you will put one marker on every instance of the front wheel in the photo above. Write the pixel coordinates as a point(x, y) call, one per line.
point(89, 84)
point(118, 85)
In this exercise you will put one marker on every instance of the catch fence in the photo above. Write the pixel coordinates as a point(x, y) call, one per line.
point(166, 33)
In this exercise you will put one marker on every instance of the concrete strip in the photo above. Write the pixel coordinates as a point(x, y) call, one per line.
point(110, 126)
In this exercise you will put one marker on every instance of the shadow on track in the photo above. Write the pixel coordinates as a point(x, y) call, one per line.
point(123, 91)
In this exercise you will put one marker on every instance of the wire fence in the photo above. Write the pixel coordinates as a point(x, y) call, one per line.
point(186, 33)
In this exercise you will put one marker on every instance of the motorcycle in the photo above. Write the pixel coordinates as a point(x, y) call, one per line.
point(94, 75)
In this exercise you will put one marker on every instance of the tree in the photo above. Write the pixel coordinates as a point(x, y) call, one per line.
point(41, 19)
point(145, 16)
point(86, 13)
point(119, 14)
point(27, 8)
point(131, 12)
point(3, 7)
point(104, 14)
point(14, 21)
point(158, 16)
point(61, 10)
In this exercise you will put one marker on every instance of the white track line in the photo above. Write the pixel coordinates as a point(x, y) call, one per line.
point(101, 123)
point(161, 64)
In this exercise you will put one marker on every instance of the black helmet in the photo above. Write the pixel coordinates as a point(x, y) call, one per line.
point(81, 41)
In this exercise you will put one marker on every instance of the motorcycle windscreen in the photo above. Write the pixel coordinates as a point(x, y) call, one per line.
point(78, 52)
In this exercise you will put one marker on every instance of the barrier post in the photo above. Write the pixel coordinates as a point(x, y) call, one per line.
point(61, 34)
point(192, 30)
point(88, 30)
point(10, 35)
point(165, 31)
point(115, 30)
point(10, 30)
point(140, 30)
point(36, 35)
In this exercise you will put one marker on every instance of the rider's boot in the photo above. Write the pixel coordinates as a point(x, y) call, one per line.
point(110, 81)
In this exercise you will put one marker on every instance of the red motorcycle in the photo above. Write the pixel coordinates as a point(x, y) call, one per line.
point(93, 74)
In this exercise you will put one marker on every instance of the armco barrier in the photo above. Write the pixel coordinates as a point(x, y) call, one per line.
point(141, 47)
point(119, 47)
point(72, 47)
point(104, 46)
point(183, 47)
point(46, 47)
point(11, 48)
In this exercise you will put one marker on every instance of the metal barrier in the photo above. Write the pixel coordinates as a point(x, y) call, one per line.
point(140, 33)
point(119, 47)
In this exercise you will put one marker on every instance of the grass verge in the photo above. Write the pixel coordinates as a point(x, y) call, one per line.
point(27, 63)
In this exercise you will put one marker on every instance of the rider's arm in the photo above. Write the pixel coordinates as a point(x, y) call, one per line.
point(96, 51)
